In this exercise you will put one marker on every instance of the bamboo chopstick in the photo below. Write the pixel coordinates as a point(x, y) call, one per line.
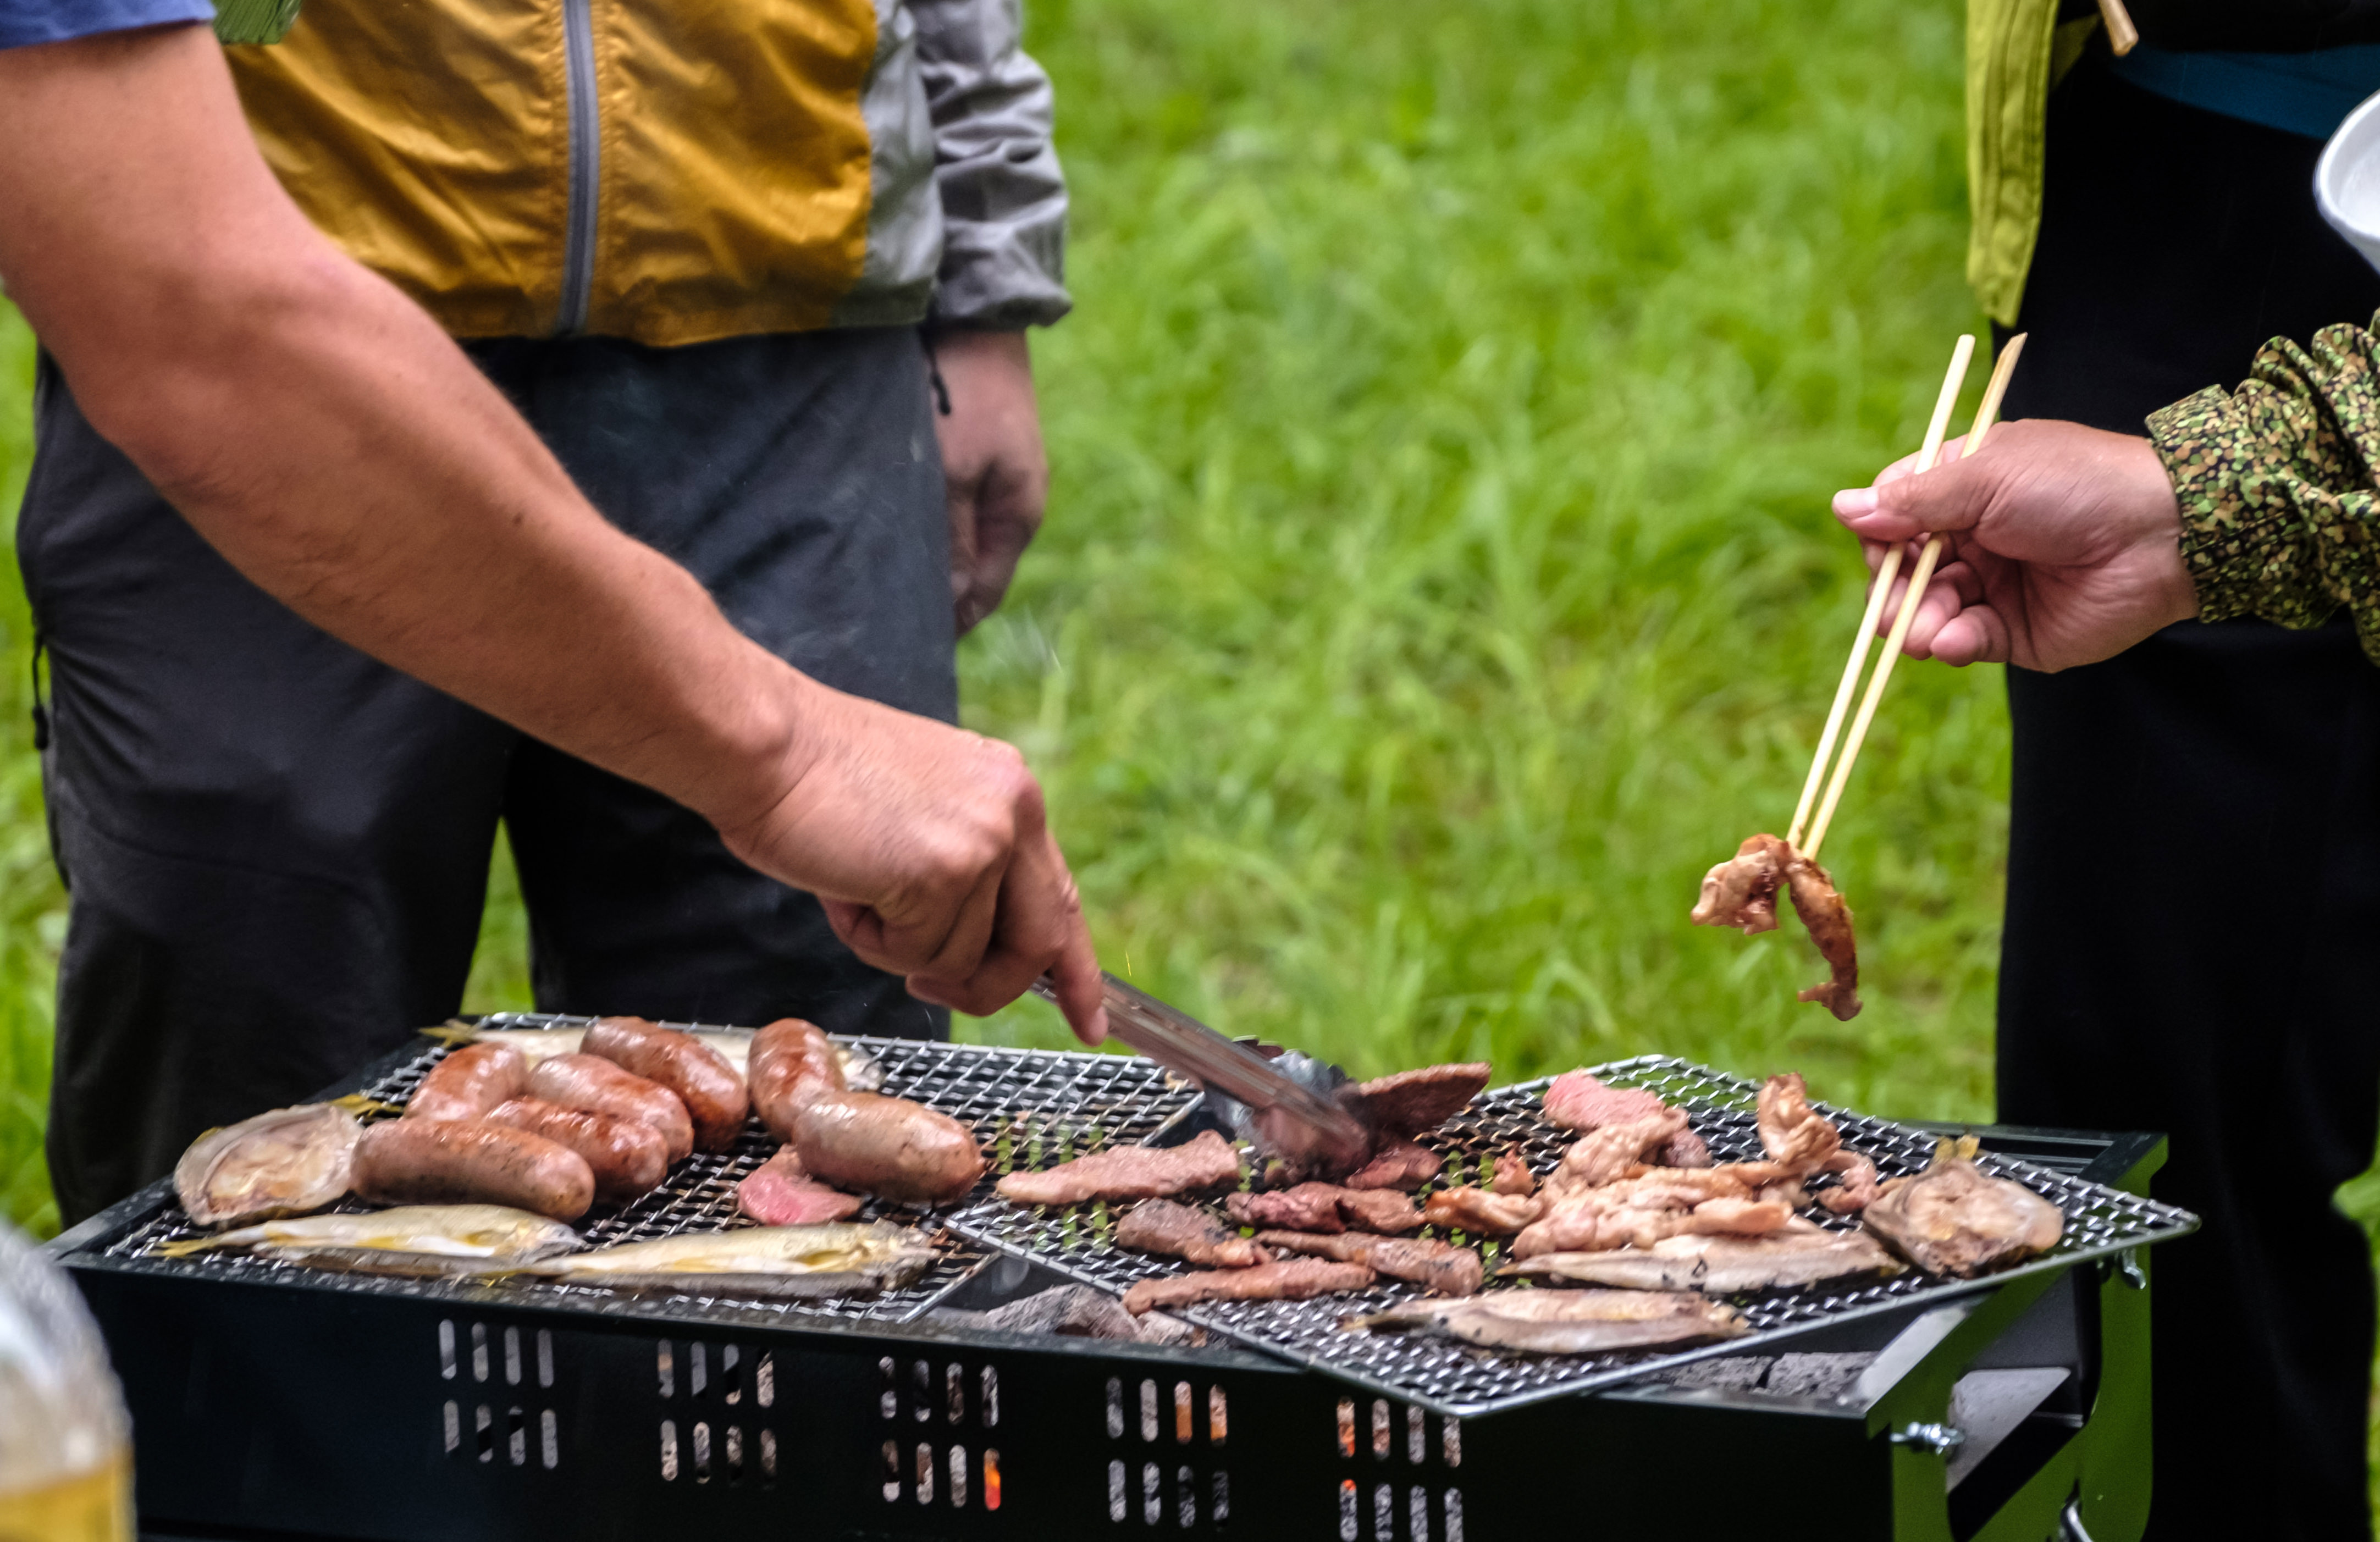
point(1986, 415)
point(2122, 36)
point(1953, 379)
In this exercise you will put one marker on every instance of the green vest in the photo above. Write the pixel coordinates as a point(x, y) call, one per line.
point(2016, 52)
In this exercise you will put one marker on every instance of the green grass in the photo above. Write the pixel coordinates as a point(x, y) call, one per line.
point(1437, 575)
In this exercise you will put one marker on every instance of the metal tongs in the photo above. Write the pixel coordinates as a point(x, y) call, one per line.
point(1292, 1121)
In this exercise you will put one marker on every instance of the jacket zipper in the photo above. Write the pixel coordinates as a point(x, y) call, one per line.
point(578, 97)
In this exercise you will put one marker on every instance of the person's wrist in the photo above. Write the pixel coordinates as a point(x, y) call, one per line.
point(764, 749)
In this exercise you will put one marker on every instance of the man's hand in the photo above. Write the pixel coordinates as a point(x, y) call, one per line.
point(2062, 546)
point(928, 847)
point(992, 459)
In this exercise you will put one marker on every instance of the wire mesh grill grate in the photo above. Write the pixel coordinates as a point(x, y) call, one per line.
point(1453, 1379)
point(1027, 1107)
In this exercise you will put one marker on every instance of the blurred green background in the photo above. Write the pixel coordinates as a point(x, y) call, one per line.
point(1437, 575)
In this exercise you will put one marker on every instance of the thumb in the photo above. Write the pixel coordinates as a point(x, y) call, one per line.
point(1951, 497)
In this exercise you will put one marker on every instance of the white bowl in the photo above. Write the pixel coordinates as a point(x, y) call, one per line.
point(2346, 180)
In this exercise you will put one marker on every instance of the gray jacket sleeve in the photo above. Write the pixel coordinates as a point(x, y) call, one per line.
point(1003, 197)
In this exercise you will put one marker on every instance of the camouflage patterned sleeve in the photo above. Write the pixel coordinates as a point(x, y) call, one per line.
point(2280, 511)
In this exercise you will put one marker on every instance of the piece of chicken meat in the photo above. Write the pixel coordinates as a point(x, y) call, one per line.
point(1954, 1219)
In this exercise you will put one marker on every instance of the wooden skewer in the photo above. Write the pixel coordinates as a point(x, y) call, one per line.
point(1953, 379)
point(1985, 416)
point(2122, 36)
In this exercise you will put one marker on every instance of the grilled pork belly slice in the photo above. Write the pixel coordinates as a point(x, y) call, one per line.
point(1129, 1172)
point(1588, 1226)
point(1564, 1322)
point(1183, 1232)
point(1954, 1219)
point(1438, 1266)
point(1290, 1280)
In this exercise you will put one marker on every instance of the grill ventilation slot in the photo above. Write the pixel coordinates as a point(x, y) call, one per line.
point(1390, 1490)
point(933, 1417)
point(499, 1433)
point(1159, 1480)
point(723, 1438)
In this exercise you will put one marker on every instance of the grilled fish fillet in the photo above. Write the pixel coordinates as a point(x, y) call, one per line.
point(1953, 1218)
point(1564, 1322)
point(833, 1259)
point(284, 1162)
point(1721, 1264)
point(409, 1239)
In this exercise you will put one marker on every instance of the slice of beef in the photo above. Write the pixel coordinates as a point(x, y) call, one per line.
point(1438, 1266)
point(1397, 1165)
point(1290, 1280)
point(1378, 1211)
point(1307, 1207)
point(1578, 1101)
point(1183, 1232)
point(1129, 1172)
point(1325, 1208)
point(1409, 1103)
point(780, 1192)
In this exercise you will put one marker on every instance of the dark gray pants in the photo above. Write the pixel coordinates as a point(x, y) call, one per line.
point(277, 849)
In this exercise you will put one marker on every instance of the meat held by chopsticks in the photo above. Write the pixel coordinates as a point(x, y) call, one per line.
point(1829, 920)
point(1129, 1172)
point(1742, 892)
point(1290, 1280)
point(1399, 1165)
point(1325, 1208)
point(1437, 1266)
point(1183, 1232)
point(1954, 1219)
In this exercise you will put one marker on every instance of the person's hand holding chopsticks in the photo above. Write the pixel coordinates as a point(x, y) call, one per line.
point(2064, 546)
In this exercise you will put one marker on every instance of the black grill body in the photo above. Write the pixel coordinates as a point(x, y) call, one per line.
point(273, 1402)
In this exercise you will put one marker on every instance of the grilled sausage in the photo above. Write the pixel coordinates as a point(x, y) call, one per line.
point(710, 1088)
point(888, 1147)
point(469, 1082)
point(599, 1086)
point(629, 1159)
point(470, 1161)
point(791, 1063)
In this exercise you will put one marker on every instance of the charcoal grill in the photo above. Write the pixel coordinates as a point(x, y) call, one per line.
point(271, 1400)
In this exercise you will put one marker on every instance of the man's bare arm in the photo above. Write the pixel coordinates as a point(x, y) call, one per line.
point(322, 433)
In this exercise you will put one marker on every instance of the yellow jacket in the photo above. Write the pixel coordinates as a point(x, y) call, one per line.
point(673, 171)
